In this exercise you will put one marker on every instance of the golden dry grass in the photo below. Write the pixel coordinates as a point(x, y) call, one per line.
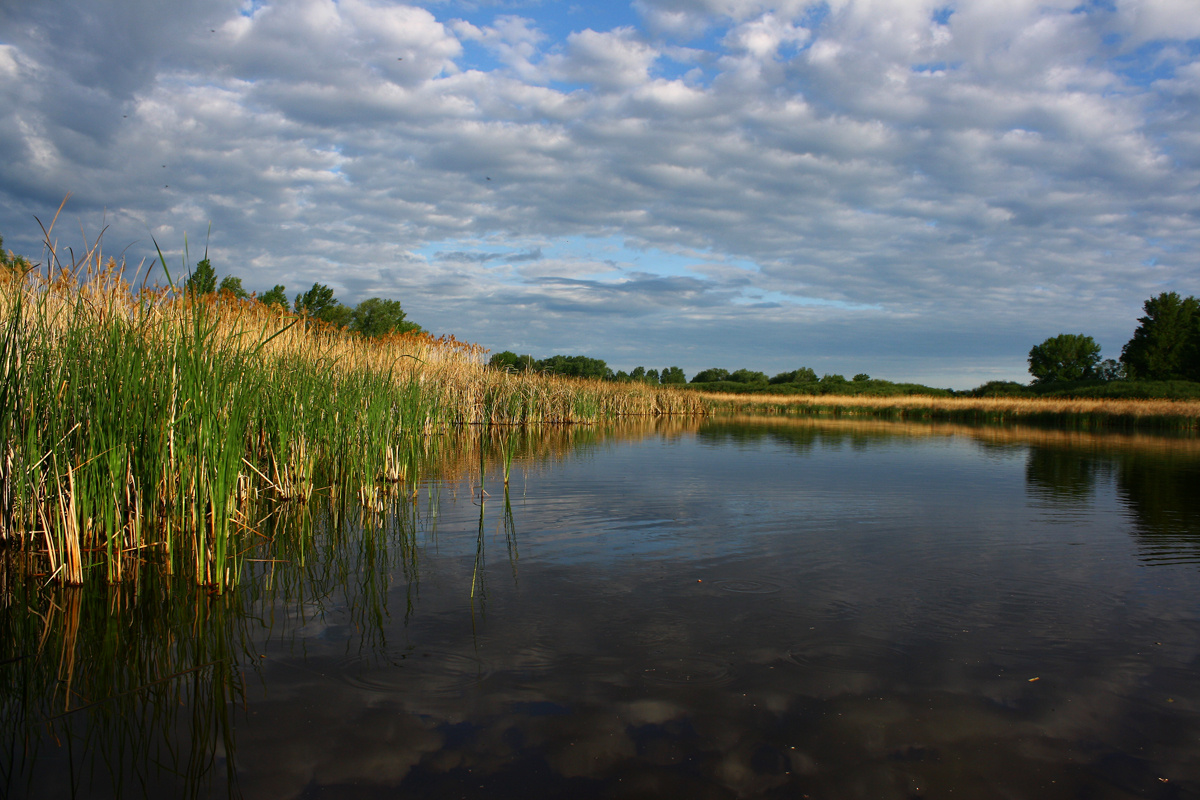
point(1185, 412)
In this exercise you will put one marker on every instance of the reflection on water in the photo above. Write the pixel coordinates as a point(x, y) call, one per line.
point(729, 609)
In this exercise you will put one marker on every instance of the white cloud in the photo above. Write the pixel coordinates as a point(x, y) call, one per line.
point(883, 159)
point(611, 60)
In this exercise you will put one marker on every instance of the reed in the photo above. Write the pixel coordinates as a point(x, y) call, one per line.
point(144, 424)
point(1077, 413)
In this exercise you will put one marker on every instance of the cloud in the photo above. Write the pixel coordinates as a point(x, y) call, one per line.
point(996, 162)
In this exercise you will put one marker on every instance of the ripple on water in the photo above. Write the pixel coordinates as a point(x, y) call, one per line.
point(839, 655)
point(688, 671)
point(749, 586)
point(425, 671)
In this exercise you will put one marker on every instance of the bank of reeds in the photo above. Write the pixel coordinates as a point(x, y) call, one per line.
point(140, 423)
point(1071, 413)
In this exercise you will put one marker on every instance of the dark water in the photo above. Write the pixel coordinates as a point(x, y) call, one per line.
point(786, 609)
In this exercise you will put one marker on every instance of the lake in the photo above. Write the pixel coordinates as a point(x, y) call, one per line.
point(727, 608)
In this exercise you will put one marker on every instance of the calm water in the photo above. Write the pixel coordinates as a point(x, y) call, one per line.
point(770, 609)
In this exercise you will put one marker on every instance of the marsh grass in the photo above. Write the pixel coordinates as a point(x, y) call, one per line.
point(142, 424)
point(1074, 413)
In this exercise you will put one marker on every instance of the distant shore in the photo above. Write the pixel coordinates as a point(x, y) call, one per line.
point(1077, 413)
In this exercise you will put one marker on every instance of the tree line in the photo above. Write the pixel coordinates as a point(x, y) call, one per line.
point(583, 367)
point(375, 316)
point(1165, 347)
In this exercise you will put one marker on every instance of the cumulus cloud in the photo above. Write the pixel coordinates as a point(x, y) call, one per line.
point(1025, 167)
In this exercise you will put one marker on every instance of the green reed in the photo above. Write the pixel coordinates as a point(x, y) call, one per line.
point(155, 426)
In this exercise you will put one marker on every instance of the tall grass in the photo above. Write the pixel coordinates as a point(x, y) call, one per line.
point(1066, 412)
point(144, 424)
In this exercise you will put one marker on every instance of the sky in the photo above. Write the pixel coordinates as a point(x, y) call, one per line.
point(918, 190)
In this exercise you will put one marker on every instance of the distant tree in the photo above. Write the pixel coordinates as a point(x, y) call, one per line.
point(319, 303)
point(651, 376)
point(338, 315)
point(802, 375)
point(711, 375)
point(376, 316)
point(862, 377)
point(836, 380)
point(622, 376)
point(1066, 357)
point(509, 361)
point(638, 374)
point(315, 300)
point(11, 261)
point(233, 286)
point(1111, 370)
point(275, 297)
point(203, 279)
point(999, 389)
point(576, 366)
point(747, 376)
point(672, 375)
point(1165, 344)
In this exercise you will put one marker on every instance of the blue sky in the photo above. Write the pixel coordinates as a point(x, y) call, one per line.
point(912, 189)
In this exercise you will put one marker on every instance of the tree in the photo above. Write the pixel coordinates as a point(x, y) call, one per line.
point(1165, 345)
point(576, 366)
point(233, 286)
point(862, 377)
point(711, 375)
point(651, 376)
point(203, 279)
point(376, 316)
point(319, 303)
point(315, 300)
point(275, 297)
point(1066, 357)
point(747, 376)
point(1111, 370)
point(337, 315)
point(10, 261)
point(672, 375)
point(802, 375)
point(508, 361)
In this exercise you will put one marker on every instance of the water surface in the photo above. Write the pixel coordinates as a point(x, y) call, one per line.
point(729, 609)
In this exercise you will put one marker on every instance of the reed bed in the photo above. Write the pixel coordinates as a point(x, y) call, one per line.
point(142, 424)
point(1078, 413)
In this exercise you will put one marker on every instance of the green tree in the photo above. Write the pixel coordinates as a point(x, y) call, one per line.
point(319, 303)
point(1066, 357)
point(1111, 370)
point(651, 376)
point(275, 297)
point(376, 316)
point(233, 286)
point(747, 376)
point(1165, 344)
point(11, 261)
point(203, 279)
point(862, 377)
point(509, 361)
point(711, 375)
point(802, 375)
point(672, 376)
point(315, 300)
point(576, 366)
point(338, 315)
